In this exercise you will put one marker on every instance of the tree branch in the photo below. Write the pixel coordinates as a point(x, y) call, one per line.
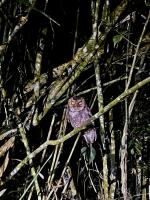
point(77, 130)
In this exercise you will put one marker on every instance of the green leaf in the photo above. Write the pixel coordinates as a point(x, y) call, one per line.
point(24, 2)
point(88, 153)
point(117, 39)
point(84, 152)
point(92, 155)
point(148, 129)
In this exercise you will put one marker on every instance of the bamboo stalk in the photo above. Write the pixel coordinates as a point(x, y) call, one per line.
point(77, 130)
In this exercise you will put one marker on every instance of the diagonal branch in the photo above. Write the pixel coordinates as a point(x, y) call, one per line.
point(77, 130)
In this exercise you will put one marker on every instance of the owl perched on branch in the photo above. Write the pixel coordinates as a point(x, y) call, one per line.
point(78, 113)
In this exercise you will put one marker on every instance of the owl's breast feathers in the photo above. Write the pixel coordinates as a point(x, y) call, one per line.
point(75, 118)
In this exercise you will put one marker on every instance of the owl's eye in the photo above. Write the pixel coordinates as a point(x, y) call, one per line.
point(80, 103)
point(73, 102)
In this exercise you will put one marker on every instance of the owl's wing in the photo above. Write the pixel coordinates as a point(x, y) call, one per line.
point(88, 112)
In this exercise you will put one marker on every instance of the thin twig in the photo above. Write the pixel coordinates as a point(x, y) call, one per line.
point(136, 52)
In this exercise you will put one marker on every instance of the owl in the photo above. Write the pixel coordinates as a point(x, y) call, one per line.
point(78, 113)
